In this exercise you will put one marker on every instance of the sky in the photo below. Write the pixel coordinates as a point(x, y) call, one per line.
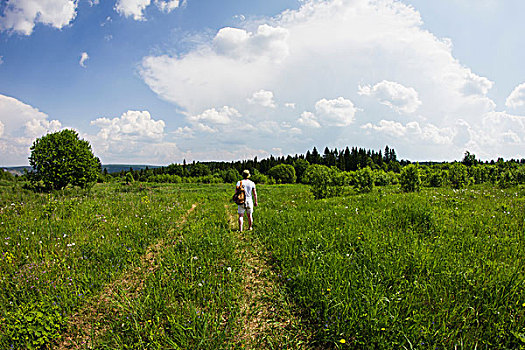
point(162, 81)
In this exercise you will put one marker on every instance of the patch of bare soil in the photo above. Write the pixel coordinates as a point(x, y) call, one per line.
point(87, 324)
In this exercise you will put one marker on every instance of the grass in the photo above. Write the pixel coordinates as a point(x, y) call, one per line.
point(162, 267)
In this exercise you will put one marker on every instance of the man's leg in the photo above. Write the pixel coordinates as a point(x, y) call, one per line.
point(249, 212)
point(241, 219)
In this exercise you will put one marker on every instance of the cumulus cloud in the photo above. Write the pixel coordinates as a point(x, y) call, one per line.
point(266, 43)
point(263, 98)
point(338, 112)
point(309, 119)
point(132, 8)
point(136, 8)
point(167, 5)
point(211, 118)
point(21, 16)
point(329, 48)
point(132, 125)
point(516, 98)
point(83, 59)
point(21, 124)
point(412, 131)
point(400, 98)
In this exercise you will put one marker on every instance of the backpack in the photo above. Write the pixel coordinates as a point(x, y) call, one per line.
point(239, 197)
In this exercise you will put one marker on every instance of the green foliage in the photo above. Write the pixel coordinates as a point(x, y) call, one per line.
point(364, 180)
point(436, 178)
point(458, 176)
point(321, 180)
point(60, 159)
point(230, 176)
point(199, 169)
point(300, 166)
point(259, 178)
point(410, 178)
point(33, 325)
point(507, 179)
point(129, 178)
point(6, 175)
point(283, 173)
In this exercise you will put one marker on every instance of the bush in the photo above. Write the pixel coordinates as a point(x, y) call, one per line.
point(364, 180)
point(259, 178)
point(320, 178)
point(283, 173)
point(230, 176)
point(60, 159)
point(458, 175)
point(410, 179)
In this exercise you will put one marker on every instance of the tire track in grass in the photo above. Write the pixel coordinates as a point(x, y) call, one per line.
point(86, 325)
point(267, 320)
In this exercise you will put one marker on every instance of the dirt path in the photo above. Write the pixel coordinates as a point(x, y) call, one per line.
point(86, 324)
point(266, 321)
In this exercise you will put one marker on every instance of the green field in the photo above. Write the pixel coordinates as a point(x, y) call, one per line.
point(154, 266)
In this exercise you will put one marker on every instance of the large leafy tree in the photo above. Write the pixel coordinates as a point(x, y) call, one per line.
point(61, 158)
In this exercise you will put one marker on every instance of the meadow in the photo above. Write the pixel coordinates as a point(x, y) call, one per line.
point(162, 266)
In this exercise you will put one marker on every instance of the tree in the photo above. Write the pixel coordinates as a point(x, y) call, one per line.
point(300, 166)
point(60, 159)
point(469, 159)
point(283, 173)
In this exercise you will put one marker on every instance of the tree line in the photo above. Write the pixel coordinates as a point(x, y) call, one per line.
point(61, 159)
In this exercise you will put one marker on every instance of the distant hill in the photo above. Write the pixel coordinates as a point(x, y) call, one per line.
point(112, 168)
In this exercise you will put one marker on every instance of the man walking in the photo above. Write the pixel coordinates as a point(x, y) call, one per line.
point(249, 202)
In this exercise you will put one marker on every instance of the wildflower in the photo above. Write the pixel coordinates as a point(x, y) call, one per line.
point(383, 329)
point(342, 341)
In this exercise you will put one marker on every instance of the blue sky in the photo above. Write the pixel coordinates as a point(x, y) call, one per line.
point(159, 81)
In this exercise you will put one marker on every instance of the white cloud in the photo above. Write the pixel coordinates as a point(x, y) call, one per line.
point(263, 98)
point(132, 125)
point(83, 59)
point(21, 16)
point(338, 112)
point(516, 98)
point(400, 98)
point(21, 124)
point(413, 131)
point(136, 8)
point(211, 118)
point(309, 119)
point(132, 8)
point(266, 43)
point(330, 48)
point(167, 5)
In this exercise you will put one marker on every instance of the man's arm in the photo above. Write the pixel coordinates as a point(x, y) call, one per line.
point(254, 197)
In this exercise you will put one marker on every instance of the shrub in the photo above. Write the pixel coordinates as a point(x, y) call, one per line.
point(230, 175)
point(410, 179)
point(458, 176)
point(507, 179)
point(283, 173)
point(364, 180)
point(320, 179)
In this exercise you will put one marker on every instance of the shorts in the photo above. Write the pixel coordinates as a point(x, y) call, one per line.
point(246, 207)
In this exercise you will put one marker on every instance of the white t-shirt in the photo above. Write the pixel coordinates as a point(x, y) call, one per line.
point(249, 186)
